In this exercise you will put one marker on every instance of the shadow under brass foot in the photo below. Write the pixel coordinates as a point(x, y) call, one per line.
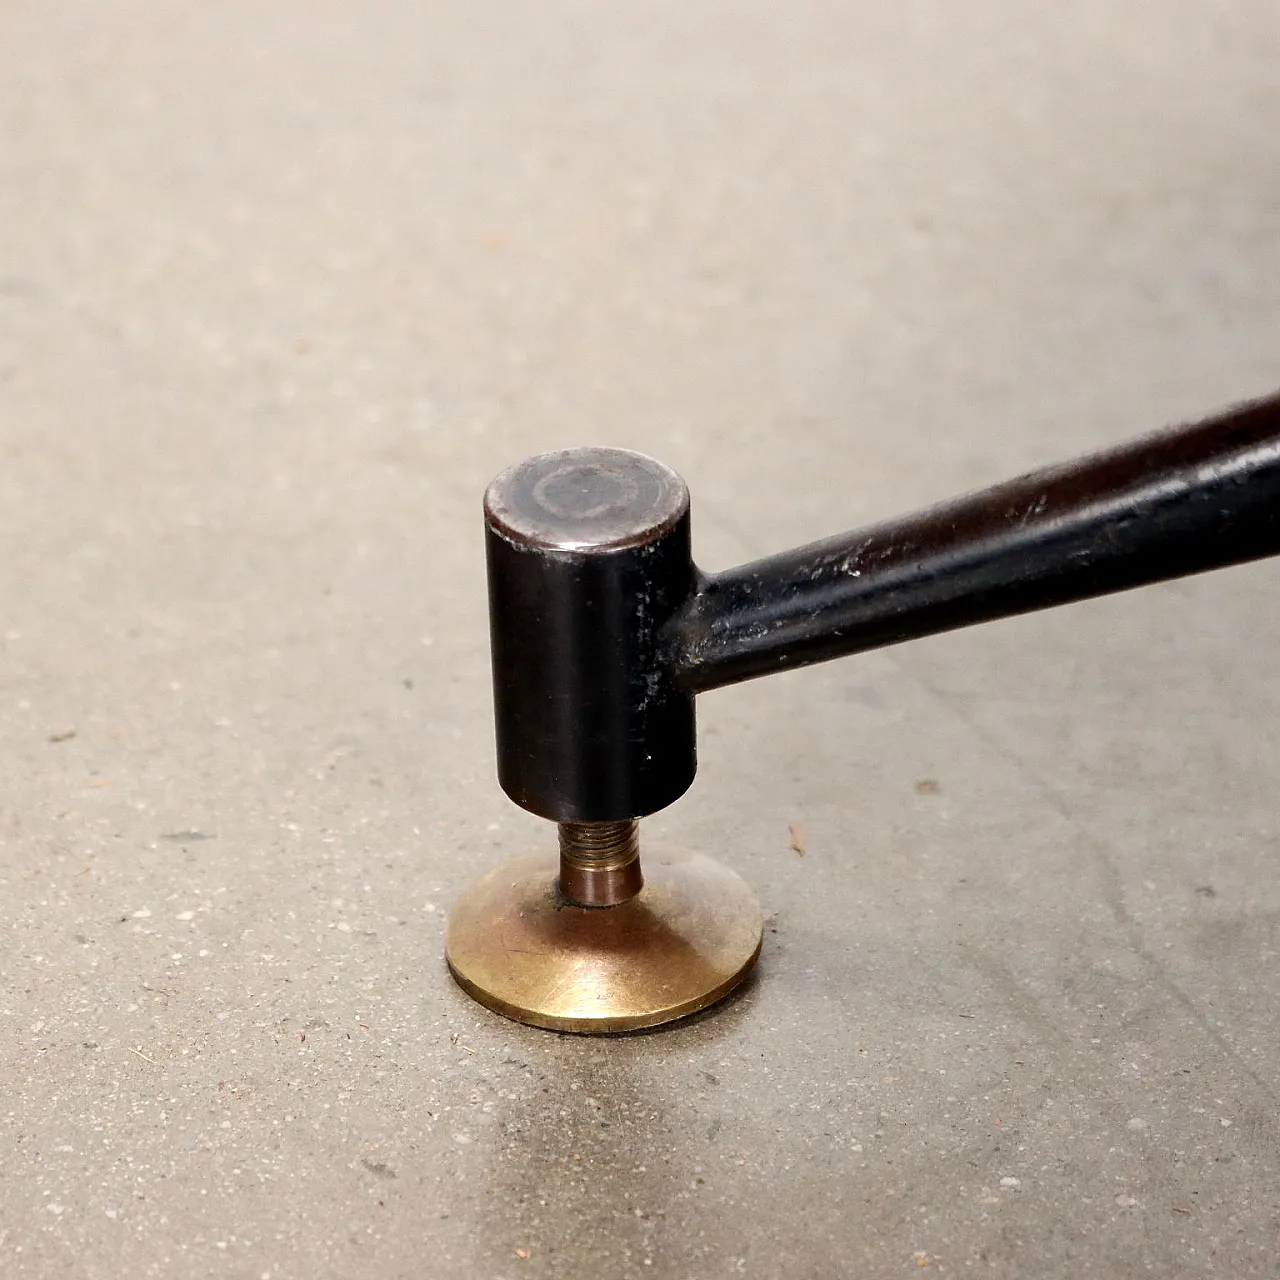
point(682, 936)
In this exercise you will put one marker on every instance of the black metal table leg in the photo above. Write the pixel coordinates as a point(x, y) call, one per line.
point(603, 632)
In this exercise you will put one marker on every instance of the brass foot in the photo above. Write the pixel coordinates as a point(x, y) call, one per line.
point(682, 941)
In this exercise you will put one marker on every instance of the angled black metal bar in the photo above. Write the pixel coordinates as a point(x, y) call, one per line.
point(1179, 502)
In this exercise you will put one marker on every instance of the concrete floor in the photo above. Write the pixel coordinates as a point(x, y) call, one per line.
point(281, 287)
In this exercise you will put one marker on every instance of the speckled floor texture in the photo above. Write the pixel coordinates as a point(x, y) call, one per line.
point(281, 286)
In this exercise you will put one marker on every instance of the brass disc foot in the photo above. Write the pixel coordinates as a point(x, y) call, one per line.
point(684, 941)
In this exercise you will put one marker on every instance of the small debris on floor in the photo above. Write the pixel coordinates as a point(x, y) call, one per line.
point(797, 836)
point(927, 787)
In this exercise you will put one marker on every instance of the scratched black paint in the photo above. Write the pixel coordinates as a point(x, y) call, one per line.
point(1176, 503)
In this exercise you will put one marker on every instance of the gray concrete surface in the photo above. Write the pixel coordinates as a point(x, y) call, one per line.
point(281, 286)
